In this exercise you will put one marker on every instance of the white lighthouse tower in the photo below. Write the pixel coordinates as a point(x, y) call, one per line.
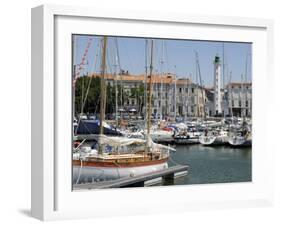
point(217, 86)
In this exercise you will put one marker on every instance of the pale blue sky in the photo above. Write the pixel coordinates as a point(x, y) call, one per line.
point(178, 57)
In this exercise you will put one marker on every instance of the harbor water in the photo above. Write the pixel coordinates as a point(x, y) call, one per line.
point(219, 164)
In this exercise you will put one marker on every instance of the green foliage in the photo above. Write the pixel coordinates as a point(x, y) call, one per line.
point(138, 94)
point(92, 102)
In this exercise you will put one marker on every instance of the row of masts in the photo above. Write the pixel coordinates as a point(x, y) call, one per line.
point(104, 88)
point(149, 98)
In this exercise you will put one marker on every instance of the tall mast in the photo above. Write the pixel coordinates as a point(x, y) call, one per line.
point(246, 71)
point(223, 66)
point(120, 75)
point(196, 82)
point(230, 91)
point(223, 76)
point(150, 90)
point(241, 96)
point(186, 98)
point(161, 89)
point(116, 87)
point(103, 85)
point(175, 96)
point(198, 87)
point(74, 59)
point(145, 79)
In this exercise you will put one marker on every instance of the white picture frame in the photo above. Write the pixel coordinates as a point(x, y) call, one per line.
point(52, 197)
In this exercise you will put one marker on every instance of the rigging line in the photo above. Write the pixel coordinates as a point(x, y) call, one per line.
point(120, 67)
point(129, 61)
point(86, 96)
point(173, 161)
point(80, 169)
point(97, 57)
point(166, 50)
point(81, 65)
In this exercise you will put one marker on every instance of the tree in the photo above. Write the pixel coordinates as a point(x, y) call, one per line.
point(138, 94)
point(92, 100)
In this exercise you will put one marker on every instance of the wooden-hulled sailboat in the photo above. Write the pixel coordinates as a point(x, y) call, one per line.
point(116, 157)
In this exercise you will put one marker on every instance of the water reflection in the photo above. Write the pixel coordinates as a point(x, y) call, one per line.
point(218, 164)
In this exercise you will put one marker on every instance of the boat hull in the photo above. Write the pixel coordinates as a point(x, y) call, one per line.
point(88, 173)
point(240, 142)
point(162, 137)
point(180, 140)
point(213, 140)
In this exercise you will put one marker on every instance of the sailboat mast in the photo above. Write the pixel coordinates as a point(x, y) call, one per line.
point(116, 88)
point(245, 79)
point(150, 90)
point(231, 94)
point(186, 98)
point(103, 85)
point(161, 89)
point(175, 97)
point(74, 43)
point(145, 79)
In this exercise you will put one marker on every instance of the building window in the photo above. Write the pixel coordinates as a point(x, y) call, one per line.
point(233, 103)
point(246, 103)
point(186, 90)
point(180, 90)
point(192, 90)
point(240, 103)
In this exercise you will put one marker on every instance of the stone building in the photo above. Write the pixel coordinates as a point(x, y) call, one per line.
point(239, 99)
point(171, 97)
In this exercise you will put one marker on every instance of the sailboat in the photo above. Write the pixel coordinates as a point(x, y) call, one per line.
point(240, 136)
point(111, 158)
point(214, 137)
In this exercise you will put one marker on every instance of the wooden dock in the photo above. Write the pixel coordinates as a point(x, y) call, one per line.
point(138, 181)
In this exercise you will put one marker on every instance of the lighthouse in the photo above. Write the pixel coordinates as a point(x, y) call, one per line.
point(217, 86)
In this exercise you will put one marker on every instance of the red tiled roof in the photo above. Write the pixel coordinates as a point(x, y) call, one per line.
point(166, 78)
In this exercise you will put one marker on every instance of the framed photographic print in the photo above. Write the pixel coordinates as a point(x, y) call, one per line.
point(153, 112)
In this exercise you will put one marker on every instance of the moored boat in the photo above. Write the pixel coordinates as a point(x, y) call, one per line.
point(214, 137)
point(111, 157)
point(117, 159)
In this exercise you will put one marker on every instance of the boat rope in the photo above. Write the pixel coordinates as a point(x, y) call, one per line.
point(173, 161)
point(80, 169)
point(79, 145)
point(117, 169)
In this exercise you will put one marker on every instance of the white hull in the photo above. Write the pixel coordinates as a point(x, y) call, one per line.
point(239, 141)
point(162, 136)
point(88, 174)
point(213, 140)
point(155, 135)
point(187, 140)
point(207, 140)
